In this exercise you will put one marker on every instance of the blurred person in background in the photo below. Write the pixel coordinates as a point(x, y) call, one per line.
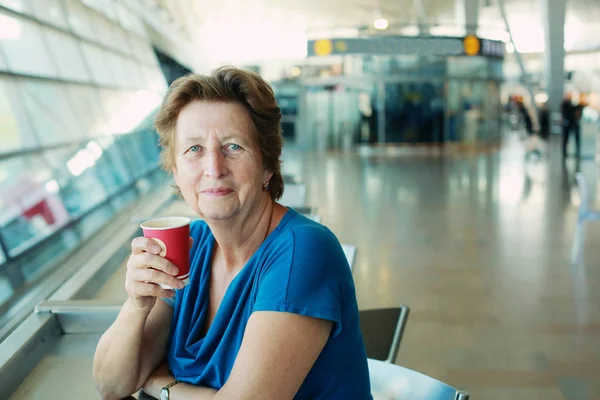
point(571, 123)
point(270, 309)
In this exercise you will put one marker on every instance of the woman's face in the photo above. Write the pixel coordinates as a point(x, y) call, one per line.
point(218, 165)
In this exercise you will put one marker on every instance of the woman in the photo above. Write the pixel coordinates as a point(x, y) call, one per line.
point(270, 310)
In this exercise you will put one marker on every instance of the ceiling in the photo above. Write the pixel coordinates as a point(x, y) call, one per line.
point(242, 30)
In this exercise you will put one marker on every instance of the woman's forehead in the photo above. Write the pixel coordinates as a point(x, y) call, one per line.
point(200, 119)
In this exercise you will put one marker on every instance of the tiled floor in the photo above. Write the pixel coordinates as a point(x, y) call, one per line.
point(478, 246)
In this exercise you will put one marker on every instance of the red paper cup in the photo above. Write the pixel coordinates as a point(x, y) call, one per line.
point(173, 235)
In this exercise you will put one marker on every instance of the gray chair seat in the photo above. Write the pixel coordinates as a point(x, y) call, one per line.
point(390, 381)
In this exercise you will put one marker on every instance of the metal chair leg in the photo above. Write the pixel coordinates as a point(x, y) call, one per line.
point(402, 320)
point(461, 395)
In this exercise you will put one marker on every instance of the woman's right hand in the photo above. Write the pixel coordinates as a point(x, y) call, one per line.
point(145, 271)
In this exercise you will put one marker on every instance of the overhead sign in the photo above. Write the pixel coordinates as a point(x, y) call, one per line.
point(403, 45)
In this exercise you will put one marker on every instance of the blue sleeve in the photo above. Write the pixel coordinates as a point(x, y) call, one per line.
point(305, 273)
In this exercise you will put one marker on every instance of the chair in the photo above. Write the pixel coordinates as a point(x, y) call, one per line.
point(390, 381)
point(294, 195)
point(382, 331)
point(585, 214)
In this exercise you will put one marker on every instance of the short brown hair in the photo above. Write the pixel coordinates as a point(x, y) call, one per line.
point(227, 84)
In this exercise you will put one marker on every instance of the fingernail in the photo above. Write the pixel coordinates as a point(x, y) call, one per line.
point(156, 248)
point(180, 284)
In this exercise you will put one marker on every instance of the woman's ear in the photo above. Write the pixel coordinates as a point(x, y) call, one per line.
point(267, 176)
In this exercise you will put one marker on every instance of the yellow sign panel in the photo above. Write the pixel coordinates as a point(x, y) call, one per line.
point(472, 45)
point(323, 47)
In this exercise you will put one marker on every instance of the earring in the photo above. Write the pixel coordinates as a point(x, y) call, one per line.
point(266, 185)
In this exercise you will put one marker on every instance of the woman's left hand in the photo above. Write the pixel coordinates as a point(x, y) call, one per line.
point(160, 378)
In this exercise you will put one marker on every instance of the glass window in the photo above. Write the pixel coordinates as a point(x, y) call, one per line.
point(50, 11)
point(40, 260)
point(2, 259)
point(67, 55)
point(124, 199)
point(75, 170)
point(87, 108)
point(30, 205)
point(3, 65)
point(121, 71)
point(102, 29)
point(79, 21)
point(155, 80)
point(126, 109)
point(104, 7)
point(21, 6)
point(94, 221)
point(121, 173)
point(136, 80)
point(24, 47)
point(6, 290)
point(51, 112)
point(121, 40)
point(129, 20)
point(96, 59)
point(16, 130)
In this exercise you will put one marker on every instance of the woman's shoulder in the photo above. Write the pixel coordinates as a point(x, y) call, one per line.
point(310, 242)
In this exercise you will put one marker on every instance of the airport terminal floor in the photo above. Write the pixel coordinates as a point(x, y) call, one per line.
point(477, 244)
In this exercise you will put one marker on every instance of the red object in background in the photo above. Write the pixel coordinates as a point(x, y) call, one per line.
point(173, 235)
point(42, 208)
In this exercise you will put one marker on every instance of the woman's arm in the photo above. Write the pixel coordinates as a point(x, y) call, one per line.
point(136, 342)
point(277, 352)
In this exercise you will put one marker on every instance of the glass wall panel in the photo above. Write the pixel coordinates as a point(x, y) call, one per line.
point(50, 11)
point(104, 7)
point(124, 199)
point(96, 60)
point(75, 170)
point(126, 109)
point(129, 20)
point(51, 112)
point(87, 108)
point(94, 221)
point(24, 47)
point(3, 64)
point(14, 123)
point(79, 20)
point(39, 261)
point(30, 206)
point(67, 55)
point(6, 290)
point(20, 6)
point(120, 171)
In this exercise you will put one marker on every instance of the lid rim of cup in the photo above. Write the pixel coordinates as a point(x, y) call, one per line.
point(184, 221)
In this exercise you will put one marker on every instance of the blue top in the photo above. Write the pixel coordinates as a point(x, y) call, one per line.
point(300, 268)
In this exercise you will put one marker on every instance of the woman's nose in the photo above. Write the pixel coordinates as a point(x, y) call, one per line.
point(215, 165)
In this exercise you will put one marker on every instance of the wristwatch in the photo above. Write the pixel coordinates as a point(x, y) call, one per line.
point(164, 392)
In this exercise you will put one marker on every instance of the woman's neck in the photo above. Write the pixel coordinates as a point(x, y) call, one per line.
point(238, 239)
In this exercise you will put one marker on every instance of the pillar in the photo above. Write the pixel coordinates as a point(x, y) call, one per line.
point(553, 20)
point(467, 14)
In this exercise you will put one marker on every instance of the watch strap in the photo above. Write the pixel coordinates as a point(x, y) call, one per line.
point(170, 385)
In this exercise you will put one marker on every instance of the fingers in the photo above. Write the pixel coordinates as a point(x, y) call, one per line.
point(149, 260)
point(144, 244)
point(151, 275)
point(145, 289)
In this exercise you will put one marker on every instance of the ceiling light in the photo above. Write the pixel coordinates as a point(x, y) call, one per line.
point(380, 23)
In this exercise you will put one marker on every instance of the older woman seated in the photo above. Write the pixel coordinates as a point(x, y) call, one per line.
point(270, 309)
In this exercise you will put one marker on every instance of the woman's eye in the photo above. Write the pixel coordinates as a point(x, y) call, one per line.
point(234, 147)
point(194, 149)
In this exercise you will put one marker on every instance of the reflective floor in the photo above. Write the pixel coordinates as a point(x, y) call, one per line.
point(478, 246)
